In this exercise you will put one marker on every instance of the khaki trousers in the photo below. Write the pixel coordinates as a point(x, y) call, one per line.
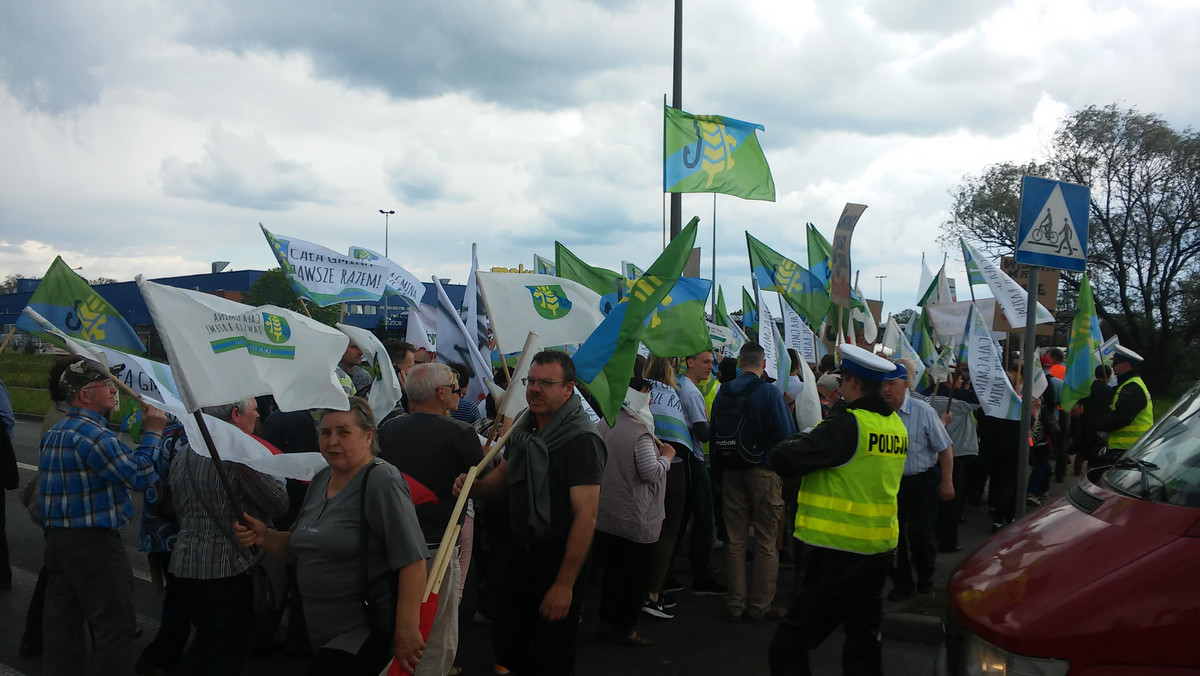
point(753, 499)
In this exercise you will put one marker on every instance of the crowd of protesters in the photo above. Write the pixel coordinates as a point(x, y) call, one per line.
point(696, 461)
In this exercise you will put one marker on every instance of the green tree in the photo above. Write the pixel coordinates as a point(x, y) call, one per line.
point(1144, 225)
point(273, 288)
point(9, 285)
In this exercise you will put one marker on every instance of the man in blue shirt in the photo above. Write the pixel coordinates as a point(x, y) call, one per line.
point(928, 479)
point(753, 492)
point(86, 476)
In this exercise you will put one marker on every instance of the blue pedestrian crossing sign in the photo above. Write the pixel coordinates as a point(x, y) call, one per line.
point(1053, 229)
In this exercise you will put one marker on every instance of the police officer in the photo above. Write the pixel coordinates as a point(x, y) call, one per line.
point(1132, 412)
point(846, 520)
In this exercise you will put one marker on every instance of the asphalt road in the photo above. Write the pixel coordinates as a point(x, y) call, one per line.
point(696, 642)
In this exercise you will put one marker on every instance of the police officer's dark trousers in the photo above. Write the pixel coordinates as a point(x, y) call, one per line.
point(837, 588)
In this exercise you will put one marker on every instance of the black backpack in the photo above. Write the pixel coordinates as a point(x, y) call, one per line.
point(732, 445)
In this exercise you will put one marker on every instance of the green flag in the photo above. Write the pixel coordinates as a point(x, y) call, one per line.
point(820, 252)
point(572, 267)
point(677, 327)
point(749, 312)
point(711, 153)
point(67, 302)
point(1081, 352)
point(800, 288)
point(605, 361)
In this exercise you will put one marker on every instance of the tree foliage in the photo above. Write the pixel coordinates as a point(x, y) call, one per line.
point(1144, 224)
point(273, 288)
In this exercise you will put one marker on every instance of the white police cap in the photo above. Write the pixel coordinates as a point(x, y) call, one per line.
point(1123, 353)
point(860, 362)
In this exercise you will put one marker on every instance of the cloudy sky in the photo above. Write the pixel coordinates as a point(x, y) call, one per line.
point(150, 137)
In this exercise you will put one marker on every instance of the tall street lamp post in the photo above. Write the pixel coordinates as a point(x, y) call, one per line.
point(881, 278)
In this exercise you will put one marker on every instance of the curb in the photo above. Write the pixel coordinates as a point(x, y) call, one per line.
point(912, 628)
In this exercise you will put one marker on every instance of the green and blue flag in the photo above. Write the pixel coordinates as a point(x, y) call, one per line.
point(605, 361)
point(712, 153)
point(801, 289)
point(76, 309)
point(572, 267)
point(1082, 351)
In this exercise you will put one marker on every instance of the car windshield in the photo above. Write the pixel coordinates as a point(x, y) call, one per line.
point(1164, 466)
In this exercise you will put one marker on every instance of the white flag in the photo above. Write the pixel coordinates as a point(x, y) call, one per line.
point(776, 362)
point(385, 387)
point(514, 397)
point(473, 315)
point(420, 318)
point(399, 281)
point(325, 276)
point(561, 311)
point(948, 319)
point(808, 406)
point(222, 351)
point(995, 392)
point(155, 383)
point(906, 350)
point(455, 344)
point(892, 335)
point(1011, 297)
point(870, 328)
point(798, 336)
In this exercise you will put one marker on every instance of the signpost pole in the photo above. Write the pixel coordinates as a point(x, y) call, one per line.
point(1028, 348)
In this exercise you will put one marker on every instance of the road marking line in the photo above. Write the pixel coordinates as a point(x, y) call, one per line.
point(27, 467)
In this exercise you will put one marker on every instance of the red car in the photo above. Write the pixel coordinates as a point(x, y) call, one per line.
point(1105, 581)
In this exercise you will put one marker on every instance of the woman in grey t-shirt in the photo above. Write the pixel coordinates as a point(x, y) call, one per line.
point(324, 541)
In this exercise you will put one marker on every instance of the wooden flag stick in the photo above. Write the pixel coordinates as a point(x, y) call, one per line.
point(487, 459)
point(8, 338)
point(448, 537)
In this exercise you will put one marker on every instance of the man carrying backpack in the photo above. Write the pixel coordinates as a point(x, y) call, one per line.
point(750, 416)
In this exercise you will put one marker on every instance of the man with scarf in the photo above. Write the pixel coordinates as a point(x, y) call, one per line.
point(555, 462)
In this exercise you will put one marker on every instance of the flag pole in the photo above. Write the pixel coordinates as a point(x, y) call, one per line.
point(487, 308)
point(714, 259)
point(8, 337)
point(234, 500)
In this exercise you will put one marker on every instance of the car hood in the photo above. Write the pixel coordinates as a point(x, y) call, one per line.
point(1040, 576)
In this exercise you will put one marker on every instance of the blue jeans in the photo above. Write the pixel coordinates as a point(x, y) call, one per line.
point(1039, 471)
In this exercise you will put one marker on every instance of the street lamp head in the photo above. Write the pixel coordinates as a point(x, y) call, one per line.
point(388, 213)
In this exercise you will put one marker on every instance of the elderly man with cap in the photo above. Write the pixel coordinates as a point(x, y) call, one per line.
point(846, 520)
point(928, 479)
point(86, 476)
point(1132, 411)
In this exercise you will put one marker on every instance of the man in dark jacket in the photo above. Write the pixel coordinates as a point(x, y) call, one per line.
point(752, 491)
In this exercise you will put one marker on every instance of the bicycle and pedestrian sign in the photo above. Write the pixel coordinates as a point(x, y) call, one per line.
point(1054, 224)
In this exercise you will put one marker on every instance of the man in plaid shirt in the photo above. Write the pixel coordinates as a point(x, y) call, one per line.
point(86, 476)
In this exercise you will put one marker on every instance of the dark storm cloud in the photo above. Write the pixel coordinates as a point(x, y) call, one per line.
point(244, 171)
point(523, 54)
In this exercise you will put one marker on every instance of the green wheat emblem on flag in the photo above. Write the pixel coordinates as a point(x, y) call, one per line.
point(276, 328)
point(550, 301)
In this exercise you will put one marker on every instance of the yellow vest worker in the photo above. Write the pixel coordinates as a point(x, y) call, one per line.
point(846, 522)
point(1132, 411)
